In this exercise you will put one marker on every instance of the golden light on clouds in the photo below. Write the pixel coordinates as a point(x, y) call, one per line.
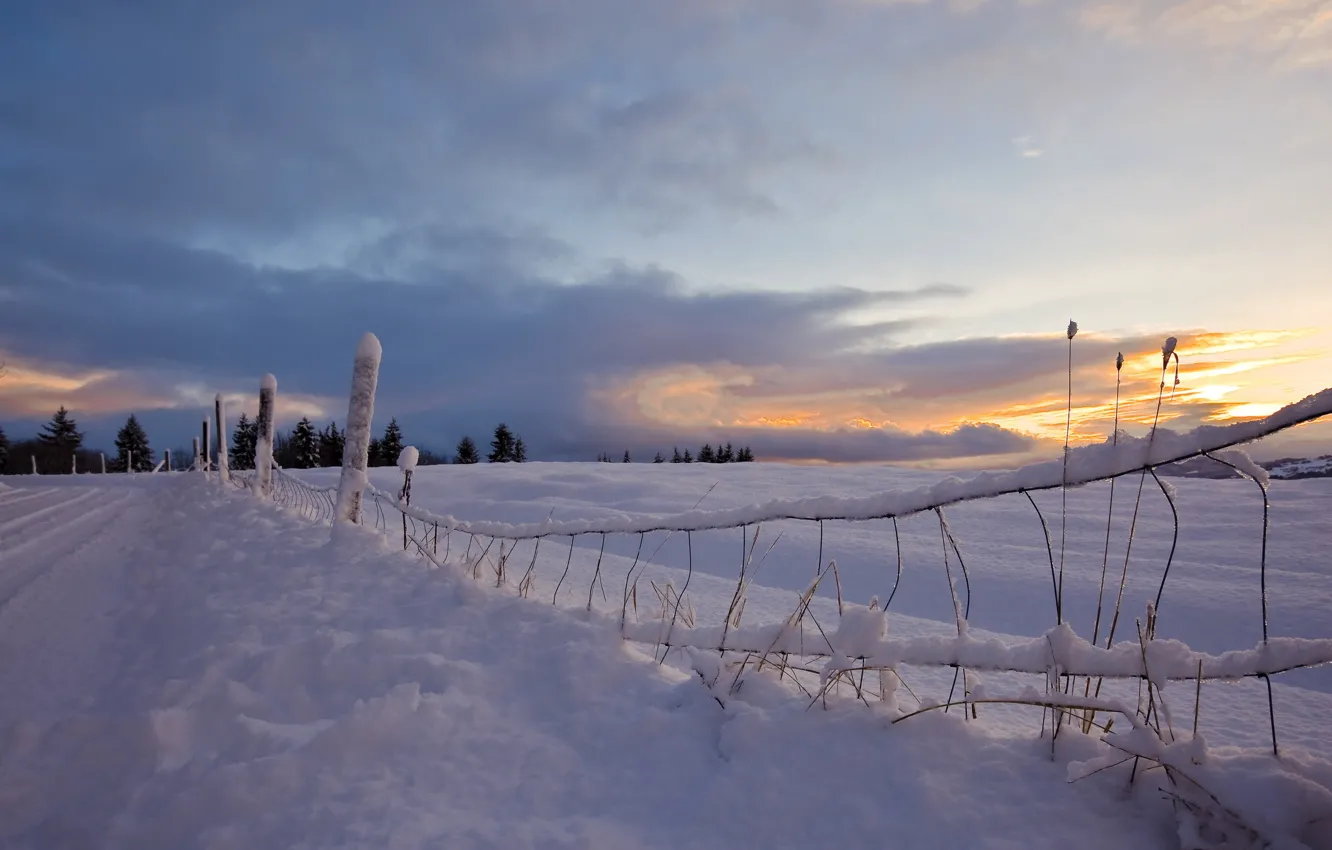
point(1223, 376)
point(21, 378)
point(1199, 397)
point(33, 391)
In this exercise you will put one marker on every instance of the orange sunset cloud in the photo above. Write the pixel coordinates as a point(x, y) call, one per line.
point(1222, 376)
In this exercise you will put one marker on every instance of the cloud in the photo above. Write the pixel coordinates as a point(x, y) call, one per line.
point(634, 356)
point(464, 347)
point(267, 119)
point(1295, 32)
point(604, 219)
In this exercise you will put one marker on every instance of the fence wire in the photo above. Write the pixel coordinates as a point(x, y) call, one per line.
point(312, 502)
point(818, 658)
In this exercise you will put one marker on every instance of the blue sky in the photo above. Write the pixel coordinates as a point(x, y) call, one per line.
point(851, 230)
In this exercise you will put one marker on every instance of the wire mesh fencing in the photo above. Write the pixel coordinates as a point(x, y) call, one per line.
point(686, 586)
point(314, 503)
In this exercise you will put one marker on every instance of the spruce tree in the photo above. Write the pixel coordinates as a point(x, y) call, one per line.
point(331, 445)
point(659, 458)
point(501, 447)
point(390, 446)
point(519, 451)
point(4, 451)
point(706, 455)
point(726, 454)
point(676, 458)
point(745, 455)
point(466, 452)
point(373, 456)
point(61, 433)
point(304, 445)
point(243, 442)
point(132, 446)
point(688, 458)
point(626, 456)
point(284, 451)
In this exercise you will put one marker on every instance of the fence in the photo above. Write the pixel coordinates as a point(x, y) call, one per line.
point(855, 656)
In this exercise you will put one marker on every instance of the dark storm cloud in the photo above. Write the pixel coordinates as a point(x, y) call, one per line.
point(460, 352)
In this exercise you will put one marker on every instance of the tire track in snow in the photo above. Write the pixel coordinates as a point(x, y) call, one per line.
point(17, 496)
point(73, 739)
point(31, 515)
point(74, 532)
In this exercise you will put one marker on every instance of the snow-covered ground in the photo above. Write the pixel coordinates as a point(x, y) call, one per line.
point(184, 666)
point(1307, 467)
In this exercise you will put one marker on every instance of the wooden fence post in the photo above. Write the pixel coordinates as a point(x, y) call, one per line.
point(104, 463)
point(263, 450)
point(205, 446)
point(73, 463)
point(220, 416)
point(34, 464)
point(356, 448)
point(129, 461)
point(196, 454)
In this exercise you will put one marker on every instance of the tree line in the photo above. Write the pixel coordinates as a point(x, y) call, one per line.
point(305, 448)
point(58, 448)
point(706, 454)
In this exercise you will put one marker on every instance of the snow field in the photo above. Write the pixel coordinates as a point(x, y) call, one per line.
point(209, 671)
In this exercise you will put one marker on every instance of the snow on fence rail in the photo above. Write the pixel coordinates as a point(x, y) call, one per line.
point(821, 659)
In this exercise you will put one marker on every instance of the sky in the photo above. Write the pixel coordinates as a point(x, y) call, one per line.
point(838, 230)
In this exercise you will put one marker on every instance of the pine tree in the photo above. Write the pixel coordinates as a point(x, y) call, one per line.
point(284, 451)
point(501, 447)
point(243, 443)
point(726, 454)
point(626, 456)
point(659, 458)
point(373, 456)
point(331, 445)
point(519, 451)
point(304, 445)
point(688, 458)
point(61, 433)
point(706, 455)
point(132, 446)
point(4, 451)
point(467, 452)
point(390, 446)
point(745, 455)
point(676, 458)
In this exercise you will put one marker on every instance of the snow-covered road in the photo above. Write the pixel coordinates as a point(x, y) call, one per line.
point(183, 666)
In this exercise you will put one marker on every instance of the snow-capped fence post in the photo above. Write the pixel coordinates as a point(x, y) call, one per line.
point(196, 455)
point(205, 445)
point(263, 449)
point(34, 464)
point(356, 448)
point(73, 463)
point(220, 415)
point(407, 463)
point(129, 461)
